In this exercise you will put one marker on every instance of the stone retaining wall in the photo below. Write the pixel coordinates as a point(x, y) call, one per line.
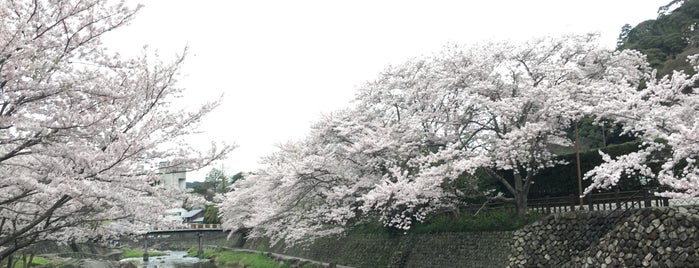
point(482, 249)
point(649, 237)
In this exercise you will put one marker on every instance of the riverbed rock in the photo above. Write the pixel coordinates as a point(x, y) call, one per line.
point(89, 263)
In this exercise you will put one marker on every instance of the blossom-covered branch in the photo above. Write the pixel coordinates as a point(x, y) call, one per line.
point(79, 126)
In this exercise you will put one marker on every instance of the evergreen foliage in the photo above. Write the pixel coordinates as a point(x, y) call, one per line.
point(667, 40)
point(562, 180)
point(211, 215)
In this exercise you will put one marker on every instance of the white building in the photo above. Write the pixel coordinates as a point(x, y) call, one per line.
point(172, 177)
point(175, 215)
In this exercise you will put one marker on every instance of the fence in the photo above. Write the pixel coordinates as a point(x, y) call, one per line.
point(596, 201)
point(188, 227)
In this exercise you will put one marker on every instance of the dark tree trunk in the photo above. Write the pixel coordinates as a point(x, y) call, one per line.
point(520, 195)
point(31, 259)
point(26, 236)
point(521, 205)
point(519, 190)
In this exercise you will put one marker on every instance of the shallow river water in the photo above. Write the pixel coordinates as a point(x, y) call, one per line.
point(173, 259)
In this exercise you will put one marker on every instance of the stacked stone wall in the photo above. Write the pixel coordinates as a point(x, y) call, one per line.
point(477, 249)
point(649, 237)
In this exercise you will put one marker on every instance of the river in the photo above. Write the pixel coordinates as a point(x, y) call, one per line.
point(173, 259)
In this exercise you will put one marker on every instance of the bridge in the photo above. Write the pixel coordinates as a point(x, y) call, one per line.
point(189, 228)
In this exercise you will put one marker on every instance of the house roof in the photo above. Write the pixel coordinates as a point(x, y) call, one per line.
point(192, 213)
point(200, 219)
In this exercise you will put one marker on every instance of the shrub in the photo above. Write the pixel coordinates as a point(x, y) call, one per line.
point(492, 220)
point(488, 220)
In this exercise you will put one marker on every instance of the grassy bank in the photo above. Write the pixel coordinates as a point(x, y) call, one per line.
point(137, 253)
point(37, 261)
point(238, 259)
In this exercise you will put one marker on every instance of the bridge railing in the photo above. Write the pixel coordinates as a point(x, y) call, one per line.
point(189, 226)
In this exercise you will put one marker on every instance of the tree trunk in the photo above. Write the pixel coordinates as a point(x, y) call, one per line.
point(520, 196)
point(31, 225)
point(519, 191)
point(521, 204)
point(31, 259)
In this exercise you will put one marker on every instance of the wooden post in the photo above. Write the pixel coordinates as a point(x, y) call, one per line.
point(200, 252)
point(572, 202)
point(646, 199)
point(589, 202)
point(604, 135)
point(618, 201)
point(145, 249)
point(548, 206)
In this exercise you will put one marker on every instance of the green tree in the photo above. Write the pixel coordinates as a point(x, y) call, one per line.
point(623, 36)
point(216, 181)
point(236, 177)
point(666, 40)
point(203, 190)
point(211, 214)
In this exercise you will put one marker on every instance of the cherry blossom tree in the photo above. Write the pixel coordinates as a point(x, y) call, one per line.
point(423, 126)
point(496, 107)
point(309, 188)
point(79, 127)
point(665, 115)
point(542, 90)
point(430, 121)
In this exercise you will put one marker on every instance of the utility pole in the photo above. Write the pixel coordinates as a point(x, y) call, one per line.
point(577, 159)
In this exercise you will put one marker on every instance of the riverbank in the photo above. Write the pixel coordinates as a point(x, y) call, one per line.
point(240, 257)
point(54, 261)
point(170, 259)
point(50, 254)
point(166, 259)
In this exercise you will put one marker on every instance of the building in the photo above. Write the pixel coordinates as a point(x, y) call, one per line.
point(175, 215)
point(193, 216)
point(172, 177)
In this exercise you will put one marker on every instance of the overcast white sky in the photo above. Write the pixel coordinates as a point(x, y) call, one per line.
point(281, 64)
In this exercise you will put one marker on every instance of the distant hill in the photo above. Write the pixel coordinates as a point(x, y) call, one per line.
point(193, 184)
point(668, 39)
